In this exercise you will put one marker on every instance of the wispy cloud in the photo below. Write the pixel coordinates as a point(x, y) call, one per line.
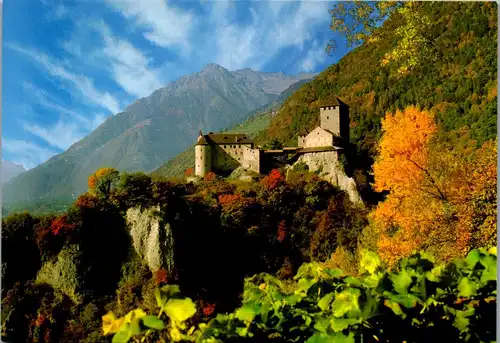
point(43, 98)
point(130, 67)
point(27, 154)
point(314, 56)
point(60, 135)
point(164, 24)
point(84, 85)
point(274, 25)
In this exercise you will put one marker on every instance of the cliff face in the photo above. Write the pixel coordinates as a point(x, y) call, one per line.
point(152, 239)
point(327, 162)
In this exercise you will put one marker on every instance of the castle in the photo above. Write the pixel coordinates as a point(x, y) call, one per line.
point(224, 152)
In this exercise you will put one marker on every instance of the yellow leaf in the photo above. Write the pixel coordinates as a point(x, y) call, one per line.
point(110, 324)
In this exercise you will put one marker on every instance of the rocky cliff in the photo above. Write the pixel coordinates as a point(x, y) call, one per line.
point(331, 170)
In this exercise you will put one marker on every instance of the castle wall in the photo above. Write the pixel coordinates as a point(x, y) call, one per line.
point(202, 160)
point(330, 119)
point(252, 159)
point(318, 138)
point(301, 141)
point(226, 157)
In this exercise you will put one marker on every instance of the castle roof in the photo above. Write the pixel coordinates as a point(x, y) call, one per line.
point(224, 138)
point(330, 100)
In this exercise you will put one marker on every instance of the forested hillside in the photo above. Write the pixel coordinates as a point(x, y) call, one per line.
point(457, 78)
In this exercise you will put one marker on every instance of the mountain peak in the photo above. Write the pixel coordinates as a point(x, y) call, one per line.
point(213, 67)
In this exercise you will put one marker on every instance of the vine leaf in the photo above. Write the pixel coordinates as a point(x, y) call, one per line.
point(180, 310)
point(153, 322)
point(467, 288)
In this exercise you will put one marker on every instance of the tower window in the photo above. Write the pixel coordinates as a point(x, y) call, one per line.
point(327, 117)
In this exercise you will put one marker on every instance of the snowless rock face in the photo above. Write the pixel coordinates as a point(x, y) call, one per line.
point(151, 238)
point(331, 171)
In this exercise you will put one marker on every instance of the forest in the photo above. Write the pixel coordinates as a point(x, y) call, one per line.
point(288, 257)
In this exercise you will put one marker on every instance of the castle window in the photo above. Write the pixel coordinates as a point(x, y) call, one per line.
point(327, 117)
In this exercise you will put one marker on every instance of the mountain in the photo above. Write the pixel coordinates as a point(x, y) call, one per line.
point(10, 170)
point(273, 83)
point(257, 122)
point(153, 129)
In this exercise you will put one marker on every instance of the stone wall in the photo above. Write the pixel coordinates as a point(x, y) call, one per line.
point(251, 159)
point(228, 156)
point(330, 119)
point(202, 160)
point(318, 138)
point(331, 171)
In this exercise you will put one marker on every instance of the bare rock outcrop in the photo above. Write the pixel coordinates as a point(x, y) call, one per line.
point(331, 170)
point(152, 239)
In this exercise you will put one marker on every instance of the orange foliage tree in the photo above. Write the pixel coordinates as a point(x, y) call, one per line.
point(438, 199)
point(101, 182)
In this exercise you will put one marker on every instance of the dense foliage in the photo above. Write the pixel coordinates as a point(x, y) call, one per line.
point(421, 301)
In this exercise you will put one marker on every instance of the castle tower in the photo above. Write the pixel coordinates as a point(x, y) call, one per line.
point(202, 160)
point(334, 117)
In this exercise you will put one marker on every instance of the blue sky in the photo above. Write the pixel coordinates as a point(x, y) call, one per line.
point(70, 64)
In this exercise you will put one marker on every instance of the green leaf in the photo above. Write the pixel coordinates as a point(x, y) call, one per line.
point(467, 288)
point(324, 303)
point(401, 281)
point(473, 257)
point(243, 332)
point(161, 298)
point(394, 306)
point(340, 324)
point(247, 312)
point(180, 310)
point(153, 322)
point(462, 321)
point(370, 262)
point(322, 324)
point(305, 283)
point(324, 338)
point(121, 336)
point(135, 327)
point(346, 301)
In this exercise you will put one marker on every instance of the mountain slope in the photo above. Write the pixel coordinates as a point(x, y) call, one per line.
point(256, 123)
point(150, 131)
point(10, 170)
point(460, 82)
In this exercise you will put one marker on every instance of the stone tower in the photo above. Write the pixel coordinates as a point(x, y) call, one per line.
point(334, 117)
point(202, 152)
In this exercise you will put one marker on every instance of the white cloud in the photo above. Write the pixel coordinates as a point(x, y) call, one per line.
point(165, 25)
point(315, 56)
point(82, 84)
point(27, 154)
point(44, 99)
point(130, 67)
point(61, 135)
point(275, 25)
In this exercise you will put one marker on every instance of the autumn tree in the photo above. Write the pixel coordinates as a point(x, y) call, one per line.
point(437, 199)
point(102, 181)
point(362, 22)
